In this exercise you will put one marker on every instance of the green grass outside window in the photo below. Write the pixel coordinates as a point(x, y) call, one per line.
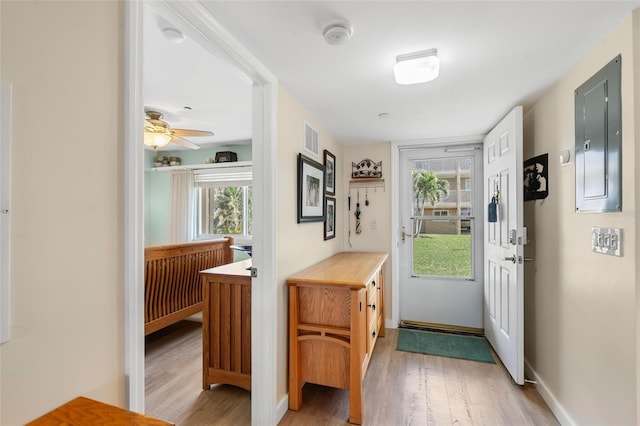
point(442, 255)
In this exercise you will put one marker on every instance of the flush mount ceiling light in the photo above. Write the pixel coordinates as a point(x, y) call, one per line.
point(337, 34)
point(417, 67)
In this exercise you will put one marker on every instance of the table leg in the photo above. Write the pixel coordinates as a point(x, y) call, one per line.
point(295, 388)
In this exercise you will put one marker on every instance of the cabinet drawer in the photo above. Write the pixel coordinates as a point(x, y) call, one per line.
point(372, 334)
point(371, 288)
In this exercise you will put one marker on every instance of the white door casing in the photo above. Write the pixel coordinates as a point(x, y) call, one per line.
point(194, 19)
point(448, 301)
point(503, 246)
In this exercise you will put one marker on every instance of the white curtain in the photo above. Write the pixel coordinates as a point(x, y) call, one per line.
point(181, 213)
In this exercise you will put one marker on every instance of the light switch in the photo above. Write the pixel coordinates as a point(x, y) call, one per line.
point(374, 223)
point(606, 241)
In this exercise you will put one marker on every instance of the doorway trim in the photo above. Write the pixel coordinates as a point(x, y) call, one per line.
point(198, 23)
point(396, 236)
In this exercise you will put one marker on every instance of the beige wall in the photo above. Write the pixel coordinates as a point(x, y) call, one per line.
point(298, 245)
point(580, 307)
point(64, 60)
point(379, 209)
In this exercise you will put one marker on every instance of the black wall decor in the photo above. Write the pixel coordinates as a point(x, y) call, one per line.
point(366, 168)
point(536, 178)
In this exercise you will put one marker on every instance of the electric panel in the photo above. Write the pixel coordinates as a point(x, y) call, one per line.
point(598, 127)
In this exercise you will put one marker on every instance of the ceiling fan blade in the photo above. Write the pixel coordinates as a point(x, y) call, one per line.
point(191, 133)
point(183, 142)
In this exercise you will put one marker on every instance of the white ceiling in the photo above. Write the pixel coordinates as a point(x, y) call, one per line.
point(179, 75)
point(494, 55)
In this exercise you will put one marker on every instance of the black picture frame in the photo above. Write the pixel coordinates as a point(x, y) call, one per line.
point(330, 173)
point(330, 218)
point(311, 196)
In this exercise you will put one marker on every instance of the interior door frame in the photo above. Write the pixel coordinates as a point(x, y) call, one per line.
point(396, 233)
point(198, 23)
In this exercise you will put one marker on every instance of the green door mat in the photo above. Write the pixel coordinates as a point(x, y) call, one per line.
point(442, 344)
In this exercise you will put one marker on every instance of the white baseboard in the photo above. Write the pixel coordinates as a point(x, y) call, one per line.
point(390, 324)
point(556, 408)
point(281, 408)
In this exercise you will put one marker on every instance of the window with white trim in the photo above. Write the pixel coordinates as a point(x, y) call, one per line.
point(223, 202)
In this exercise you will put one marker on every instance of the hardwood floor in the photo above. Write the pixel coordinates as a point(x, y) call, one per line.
point(173, 382)
point(400, 388)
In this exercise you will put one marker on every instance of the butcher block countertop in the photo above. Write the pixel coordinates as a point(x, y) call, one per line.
point(345, 269)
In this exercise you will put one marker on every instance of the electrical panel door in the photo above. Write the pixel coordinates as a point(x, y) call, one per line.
point(599, 140)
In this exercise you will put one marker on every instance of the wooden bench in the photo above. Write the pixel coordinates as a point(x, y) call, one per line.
point(173, 286)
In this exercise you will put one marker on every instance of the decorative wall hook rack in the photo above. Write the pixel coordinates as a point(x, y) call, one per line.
point(366, 168)
point(366, 183)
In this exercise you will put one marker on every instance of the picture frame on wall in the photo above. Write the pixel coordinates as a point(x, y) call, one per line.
point(330, 218)
point(536, 177)
point(330, 172)
point(311, 187)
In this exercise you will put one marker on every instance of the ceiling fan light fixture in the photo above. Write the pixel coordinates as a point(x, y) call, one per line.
point(156, 140)
point(157, 132)
point(417, 67)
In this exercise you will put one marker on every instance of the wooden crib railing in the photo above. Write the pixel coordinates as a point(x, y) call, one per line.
point(173, 286)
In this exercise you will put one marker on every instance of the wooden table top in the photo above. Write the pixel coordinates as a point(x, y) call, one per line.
point(87, 412)
point(348, 269)
point(235, 269)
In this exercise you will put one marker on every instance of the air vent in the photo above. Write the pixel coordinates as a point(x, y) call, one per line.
point(311, 143)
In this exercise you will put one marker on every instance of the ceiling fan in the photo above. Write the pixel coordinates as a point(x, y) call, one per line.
point(158, 133)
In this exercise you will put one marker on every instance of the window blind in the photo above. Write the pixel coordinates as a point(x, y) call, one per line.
point(227, 176)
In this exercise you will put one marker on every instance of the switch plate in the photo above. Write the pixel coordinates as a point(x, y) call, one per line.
point(374, 223)
point(606, 241)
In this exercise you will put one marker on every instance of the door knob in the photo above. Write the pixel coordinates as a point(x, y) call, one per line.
point(512, 258)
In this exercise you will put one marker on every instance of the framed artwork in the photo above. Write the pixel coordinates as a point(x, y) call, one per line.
point(536, 178)
point(310, 190)
point(330, 172)
point(330, 218)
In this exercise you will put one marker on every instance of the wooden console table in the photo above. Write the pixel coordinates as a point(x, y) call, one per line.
point(335, 316)
point(226, 325)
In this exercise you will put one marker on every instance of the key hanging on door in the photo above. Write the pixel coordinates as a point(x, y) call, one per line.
point(492, 209)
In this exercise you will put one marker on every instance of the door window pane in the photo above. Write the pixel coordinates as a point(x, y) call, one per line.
point(443, 217)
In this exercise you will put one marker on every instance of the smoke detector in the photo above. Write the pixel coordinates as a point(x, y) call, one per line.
point(337, 34)
point(174, 35)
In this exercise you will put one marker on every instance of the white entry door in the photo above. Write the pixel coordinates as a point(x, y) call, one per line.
point(441, 249)
point(503, 246)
